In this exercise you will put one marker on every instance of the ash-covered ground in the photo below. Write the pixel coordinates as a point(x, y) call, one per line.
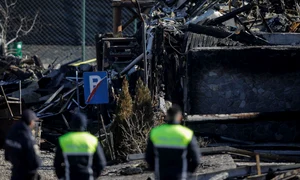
point(209, 164)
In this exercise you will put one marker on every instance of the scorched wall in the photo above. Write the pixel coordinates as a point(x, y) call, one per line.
point(225, 80)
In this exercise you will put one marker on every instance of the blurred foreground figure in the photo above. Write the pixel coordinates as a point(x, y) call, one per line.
point(79, 155)
point(172, 150)
point(21, 150)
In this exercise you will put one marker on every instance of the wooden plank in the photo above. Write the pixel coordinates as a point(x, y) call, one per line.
point(258, 164)
point(8, 106)
point(221, 116)
point(248, 170)
point(287, 174)
point(13, 102)
point(279, 152)
point(54, 95)
point(226, 149)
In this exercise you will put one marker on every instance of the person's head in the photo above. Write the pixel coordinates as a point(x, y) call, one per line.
point(78, 122)
point(174, 114)
point(29, 117)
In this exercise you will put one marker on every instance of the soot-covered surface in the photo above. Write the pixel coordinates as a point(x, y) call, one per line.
point(243, 79)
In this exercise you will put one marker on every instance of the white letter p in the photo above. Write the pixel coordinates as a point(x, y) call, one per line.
point(94, 81)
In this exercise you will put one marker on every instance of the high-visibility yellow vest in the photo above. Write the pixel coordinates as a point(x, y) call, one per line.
point(78, 143)
point(171, 136)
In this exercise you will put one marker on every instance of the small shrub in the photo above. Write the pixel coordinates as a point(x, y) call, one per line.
point(134, 120)
point(124, 106)
point(143, 106)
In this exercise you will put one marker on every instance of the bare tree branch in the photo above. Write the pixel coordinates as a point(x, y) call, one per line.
point(6, 6)
point(17, 33)
point(3, 11)
point(25, 25)
point(13, 4)
point(2, 29)
point(3, 23)
point(32, 25)
point(25, 32)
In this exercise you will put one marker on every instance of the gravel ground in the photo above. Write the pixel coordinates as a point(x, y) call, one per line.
point(46, 170)
point(4, 167)
point(209, 164)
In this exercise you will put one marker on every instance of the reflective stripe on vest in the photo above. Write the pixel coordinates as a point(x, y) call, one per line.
point(78, 143)
point(171, 136)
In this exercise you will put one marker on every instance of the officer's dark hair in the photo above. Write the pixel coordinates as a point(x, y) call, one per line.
point(172, 112)
point(78, 122)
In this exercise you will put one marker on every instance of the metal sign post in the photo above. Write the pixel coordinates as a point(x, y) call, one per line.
point(77, 89)
point(145, 52)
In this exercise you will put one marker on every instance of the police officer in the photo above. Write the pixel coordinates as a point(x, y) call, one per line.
point(21, 150)
point(79, 155)
point(172, 150)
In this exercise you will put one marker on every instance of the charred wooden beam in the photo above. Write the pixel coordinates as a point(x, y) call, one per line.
point(134, 62)
point(229, 15)
point(287, 174)
point(246, 28)
point(222, 116)
point(280, 152)
point(221, 33)
point(8, 106)
point(54, 95)
point(56, 101)
point(264, 21)
point(117, 20)
point(99, 52)
point(265, 116)
point(248, 170)
point(128, 3)
point(226, 149)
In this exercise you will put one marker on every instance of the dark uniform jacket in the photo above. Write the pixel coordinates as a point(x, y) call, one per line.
point(20, 151)
point(172, 152)
point(79, 156)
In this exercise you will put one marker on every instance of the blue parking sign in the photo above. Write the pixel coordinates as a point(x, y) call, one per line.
point(95, 87)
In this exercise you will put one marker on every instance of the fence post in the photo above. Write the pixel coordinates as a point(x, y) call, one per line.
point(83, 29)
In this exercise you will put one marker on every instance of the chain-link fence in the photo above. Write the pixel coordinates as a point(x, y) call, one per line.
point(57, 33)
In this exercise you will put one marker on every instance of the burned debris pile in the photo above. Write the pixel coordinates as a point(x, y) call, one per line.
point(173, 28)
point(208, 56)
point(58, 92)
point(51, 92)
point(14, 69)
point(225, 62)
